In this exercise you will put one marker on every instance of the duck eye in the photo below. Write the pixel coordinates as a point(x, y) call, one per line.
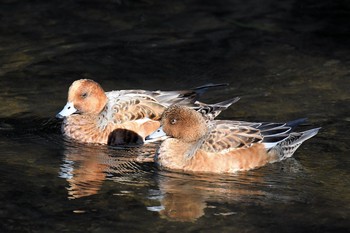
point(84, 95)
point(173, 121)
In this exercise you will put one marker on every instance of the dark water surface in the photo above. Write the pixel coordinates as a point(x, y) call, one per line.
point(286, 59)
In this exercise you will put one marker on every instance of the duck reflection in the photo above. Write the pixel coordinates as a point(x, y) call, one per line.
point(184, 197)
point(85, 167)
point(180, 201)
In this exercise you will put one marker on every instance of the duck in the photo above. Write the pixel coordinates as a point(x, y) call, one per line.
point(123, 117)
point(198, 144)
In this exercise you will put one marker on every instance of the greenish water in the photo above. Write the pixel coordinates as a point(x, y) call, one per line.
point(285, 60)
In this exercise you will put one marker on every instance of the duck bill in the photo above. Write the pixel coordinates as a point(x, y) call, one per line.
point(67, 110)
point(156, 135)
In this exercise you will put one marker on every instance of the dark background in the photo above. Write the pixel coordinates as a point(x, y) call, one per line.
point(285, 59)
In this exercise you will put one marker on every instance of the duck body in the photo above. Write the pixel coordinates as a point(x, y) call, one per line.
point(126, 118)
point(197, 144)
point(117, 117)
point(206, 161)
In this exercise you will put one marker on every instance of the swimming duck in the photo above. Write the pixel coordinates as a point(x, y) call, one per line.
point(92, 115)
point(196, 144)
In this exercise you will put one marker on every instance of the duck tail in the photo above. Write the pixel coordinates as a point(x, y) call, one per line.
point(286, 148)
point(202, 89)
point(295, 123)
point(226, 103)
point(210, 111)
point(184, 97)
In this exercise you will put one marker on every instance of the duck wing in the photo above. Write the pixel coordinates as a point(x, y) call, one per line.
point(240, 134)
point(167, 98)
point(230, 135)
point(133, 106)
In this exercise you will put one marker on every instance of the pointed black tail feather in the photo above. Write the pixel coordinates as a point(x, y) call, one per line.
point(286, 147)
point(295, 123)
point(305, 135)
point(201, 89)
point(210, 111)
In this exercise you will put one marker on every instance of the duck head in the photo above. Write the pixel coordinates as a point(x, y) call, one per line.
point(85, 96)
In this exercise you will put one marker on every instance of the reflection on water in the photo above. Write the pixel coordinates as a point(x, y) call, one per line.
point(184, 197)
point(176, 196)
point(97, 176)
point(84, 171)
point(86, 167)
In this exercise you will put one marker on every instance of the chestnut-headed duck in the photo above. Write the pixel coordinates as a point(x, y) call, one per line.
point(92, 115)
point(196, 144)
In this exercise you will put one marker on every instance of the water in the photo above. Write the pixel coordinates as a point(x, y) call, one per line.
point(286, 60)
